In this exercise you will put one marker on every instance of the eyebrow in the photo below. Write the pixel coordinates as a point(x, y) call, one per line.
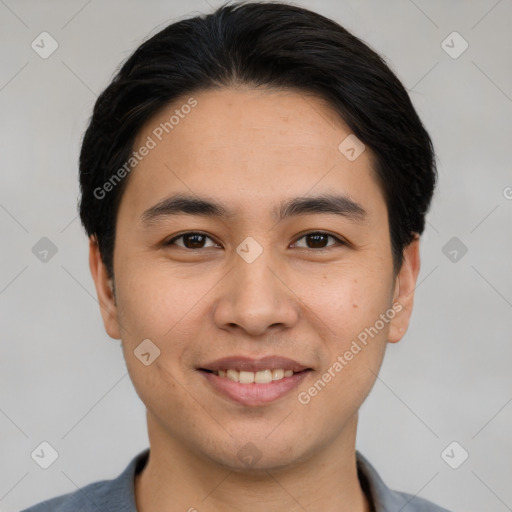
point(180, 204)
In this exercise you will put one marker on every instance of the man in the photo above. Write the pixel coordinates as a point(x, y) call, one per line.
point(254, 184)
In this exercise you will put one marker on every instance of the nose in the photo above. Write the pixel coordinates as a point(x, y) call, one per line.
point(254, 297)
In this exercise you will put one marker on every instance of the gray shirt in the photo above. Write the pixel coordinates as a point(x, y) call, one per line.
point(118, 495)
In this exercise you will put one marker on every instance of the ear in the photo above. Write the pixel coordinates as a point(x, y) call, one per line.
point(403, 296)
point(104, 289)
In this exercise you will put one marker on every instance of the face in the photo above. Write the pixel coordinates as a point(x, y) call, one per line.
point(258, 282)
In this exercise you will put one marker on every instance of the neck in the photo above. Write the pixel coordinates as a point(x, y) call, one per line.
point(177, 479)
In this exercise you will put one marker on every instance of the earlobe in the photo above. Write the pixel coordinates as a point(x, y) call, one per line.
point(403, 297)
point(104, 290)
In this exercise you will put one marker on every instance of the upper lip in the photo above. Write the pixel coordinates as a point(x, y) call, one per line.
point(254, 365)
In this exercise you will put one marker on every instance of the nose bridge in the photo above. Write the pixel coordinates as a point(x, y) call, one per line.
point(255, 279)
point(253, 297)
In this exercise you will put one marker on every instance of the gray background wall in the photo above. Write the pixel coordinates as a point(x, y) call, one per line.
point(63, 380)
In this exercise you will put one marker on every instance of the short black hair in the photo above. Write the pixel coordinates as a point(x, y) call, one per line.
point(267, 44)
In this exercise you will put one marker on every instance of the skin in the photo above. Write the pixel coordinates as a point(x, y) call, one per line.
point(251, 150)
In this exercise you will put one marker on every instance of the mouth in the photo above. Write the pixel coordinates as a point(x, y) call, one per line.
point(247, 377)
point(254, 382)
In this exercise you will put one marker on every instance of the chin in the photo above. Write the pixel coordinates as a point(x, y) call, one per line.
point(261, 455)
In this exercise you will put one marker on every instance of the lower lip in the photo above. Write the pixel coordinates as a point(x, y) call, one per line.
point(254, 394)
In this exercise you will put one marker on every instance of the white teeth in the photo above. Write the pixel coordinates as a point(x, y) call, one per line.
point(263, 377)
point(277, 374)
point(233, 375)
point(260, 377)
point(246, 377)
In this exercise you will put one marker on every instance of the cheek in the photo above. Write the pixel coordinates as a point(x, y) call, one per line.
point(154, 304)
point(163, 310)
point(351, 305)
point(349, 301)
point(171, 312)
point(354, 345)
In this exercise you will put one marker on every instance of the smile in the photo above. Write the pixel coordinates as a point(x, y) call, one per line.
point(260, 377)
point(253, 382)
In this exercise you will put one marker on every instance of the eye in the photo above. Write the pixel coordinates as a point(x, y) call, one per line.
point(318, 240)
point(195, 240)
point(191, 240)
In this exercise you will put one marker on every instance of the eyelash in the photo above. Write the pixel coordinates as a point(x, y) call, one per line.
point(339, 241)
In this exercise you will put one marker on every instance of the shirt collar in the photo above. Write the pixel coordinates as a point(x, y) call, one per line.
point(380, 496)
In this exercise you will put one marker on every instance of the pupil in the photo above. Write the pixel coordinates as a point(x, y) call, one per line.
point(196, 244)
point(317, 240)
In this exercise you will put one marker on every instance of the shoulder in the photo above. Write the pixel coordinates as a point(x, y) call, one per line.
point(410, 503)
point(89, 498)
point(386, 500)
point(116, 494)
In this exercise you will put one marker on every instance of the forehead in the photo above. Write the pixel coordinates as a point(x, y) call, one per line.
point(252, 142)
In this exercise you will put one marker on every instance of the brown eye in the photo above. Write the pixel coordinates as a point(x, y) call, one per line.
point(318, 240)
point(191, 241)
